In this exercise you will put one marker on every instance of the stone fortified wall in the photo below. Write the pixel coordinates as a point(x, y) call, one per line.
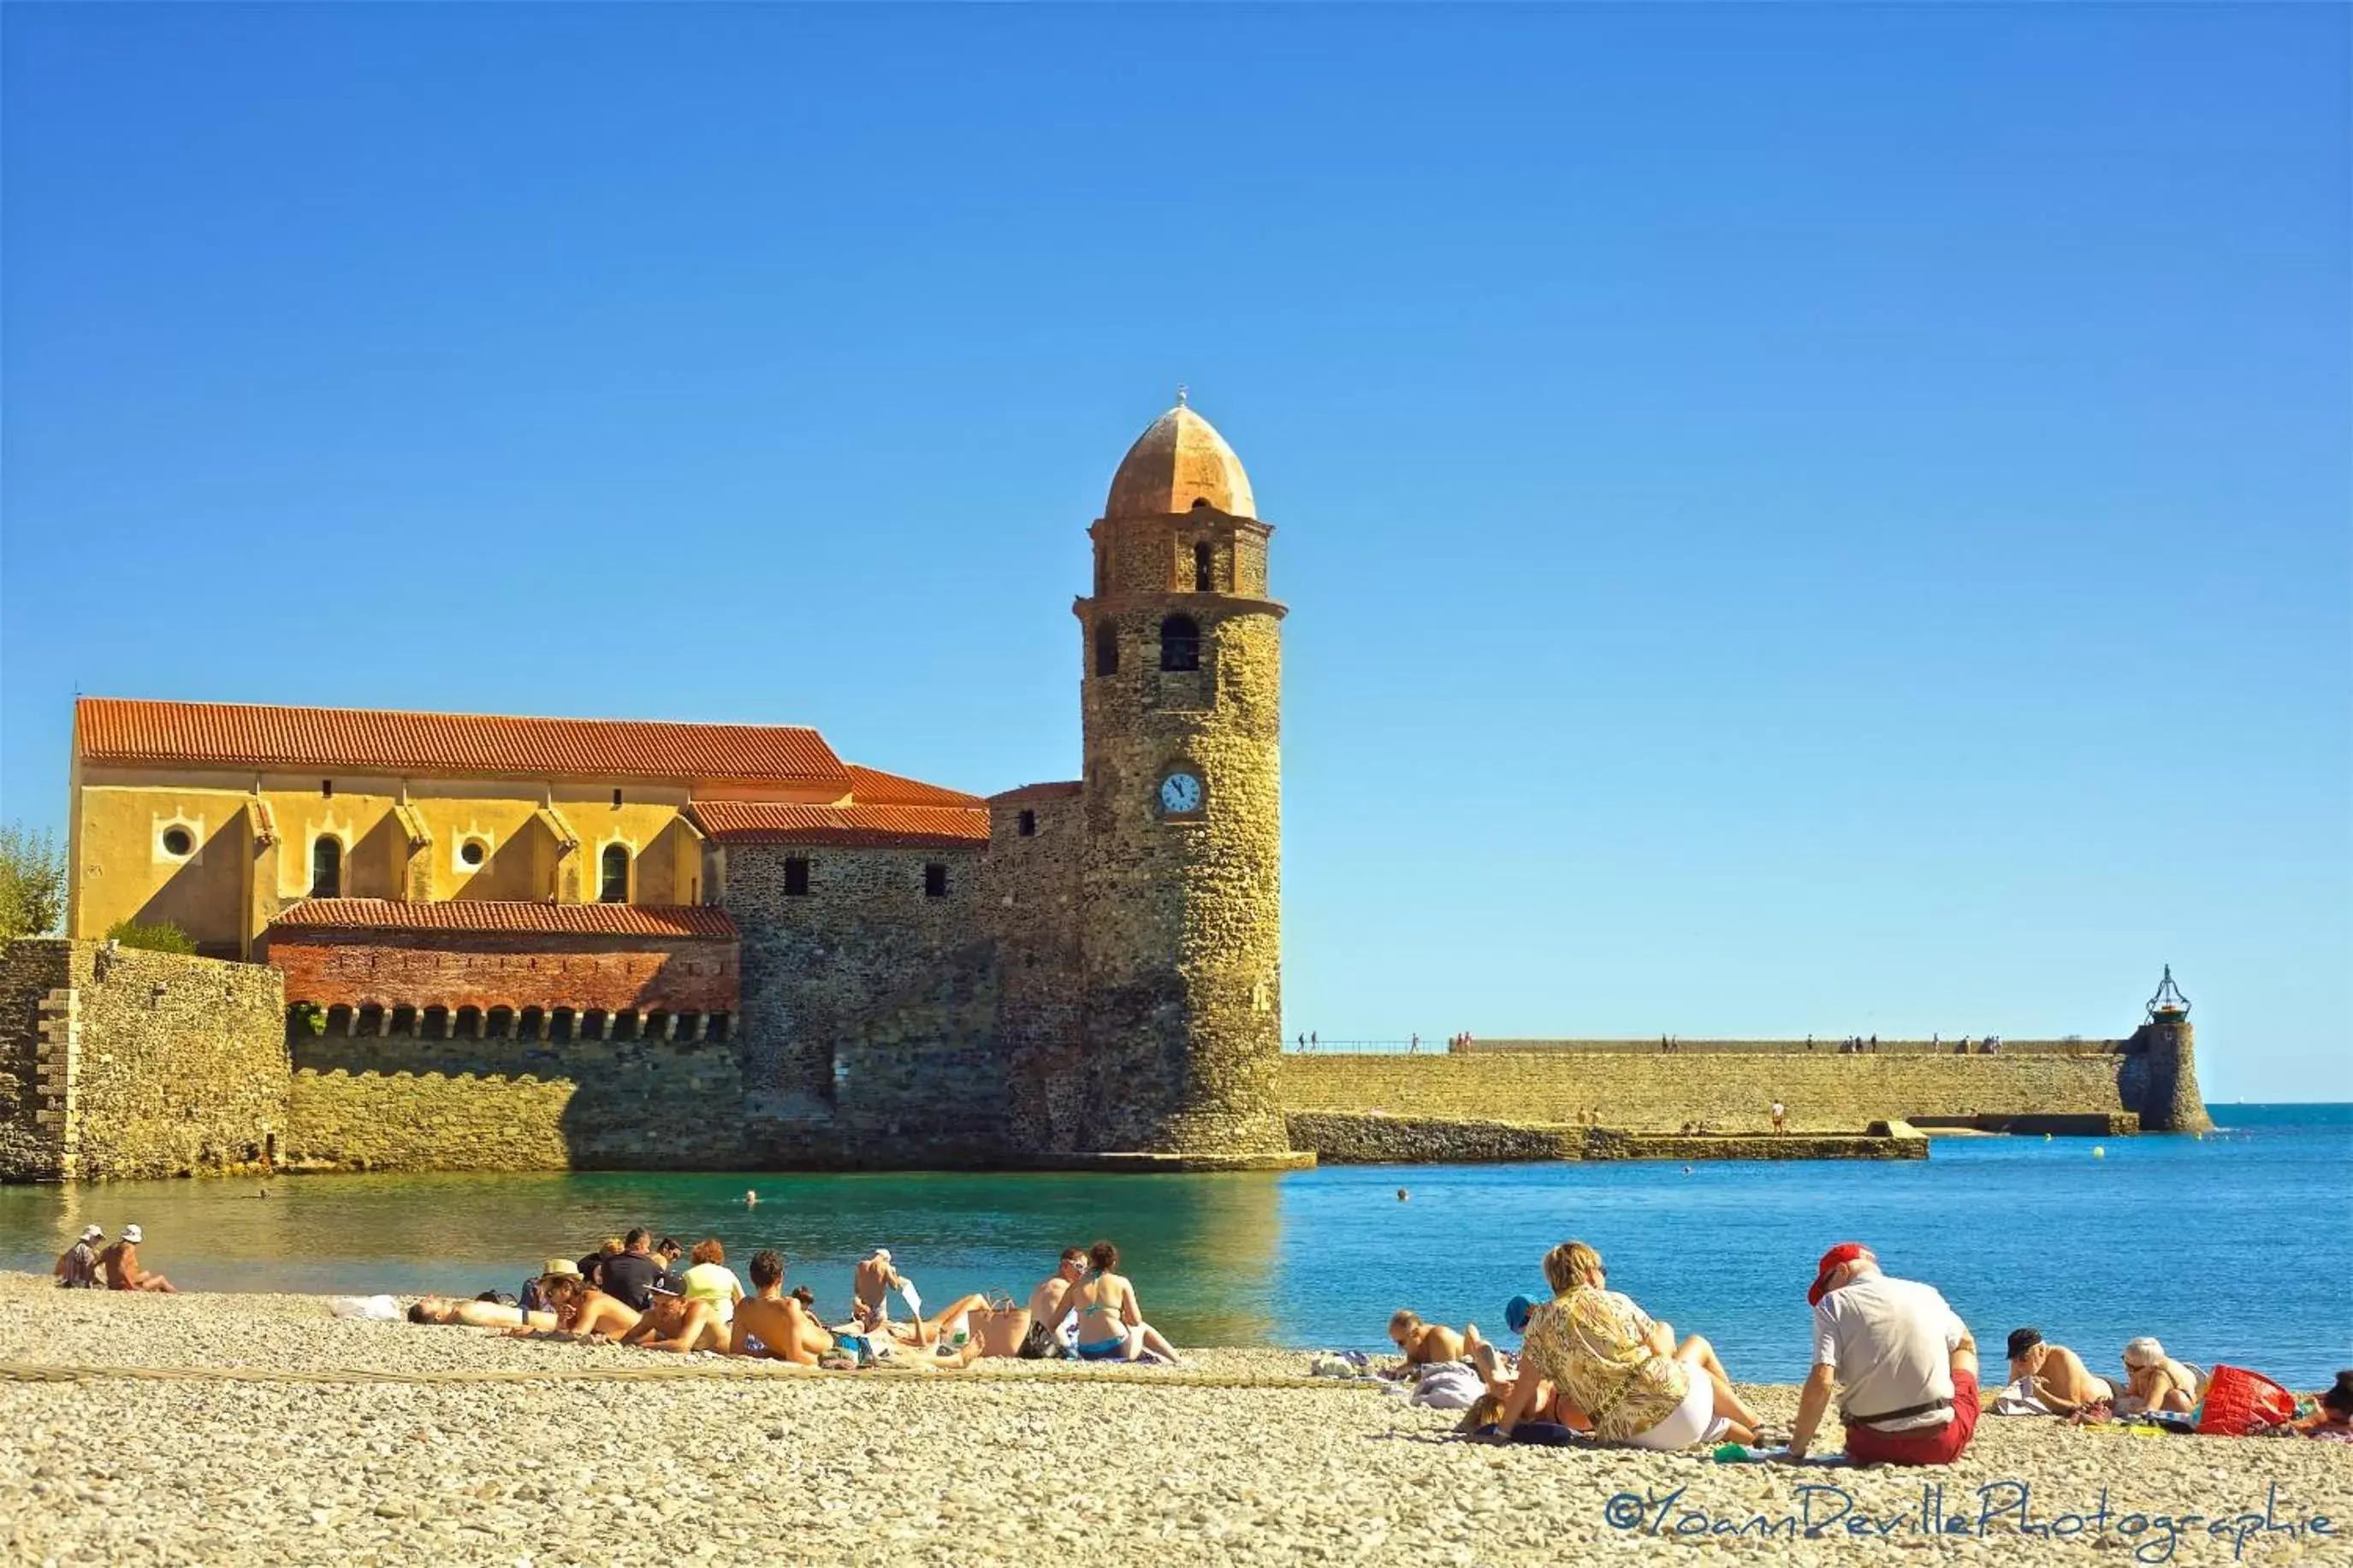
point(1824, 1090)
point(120, 1063)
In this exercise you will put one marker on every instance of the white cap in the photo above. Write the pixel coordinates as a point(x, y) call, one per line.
point(91, 1233)
point(133, 1234)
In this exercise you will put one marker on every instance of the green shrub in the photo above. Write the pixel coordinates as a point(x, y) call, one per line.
point(163, 936)
point(32, 882)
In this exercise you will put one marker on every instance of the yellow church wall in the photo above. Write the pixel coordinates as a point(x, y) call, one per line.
point(225, 890)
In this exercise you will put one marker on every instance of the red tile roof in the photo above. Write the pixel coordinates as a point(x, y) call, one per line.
point(872, 787)
point(842, 826)
point(486, 915)
point(118, 729)
point(1068, 791)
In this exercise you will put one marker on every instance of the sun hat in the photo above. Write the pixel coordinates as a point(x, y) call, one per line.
point(1516, 1313)
point(133, 1235)
point(1838, 1256)
point(92, 1232)
point(2023, 1340)
point(563, 1266)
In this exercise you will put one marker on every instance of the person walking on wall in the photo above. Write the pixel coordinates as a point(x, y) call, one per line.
point(1780, 1117)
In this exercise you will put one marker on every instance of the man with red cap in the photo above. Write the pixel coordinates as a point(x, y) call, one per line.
point(1903, 1357)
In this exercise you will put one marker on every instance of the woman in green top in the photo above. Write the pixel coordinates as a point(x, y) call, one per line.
point(708, 1278)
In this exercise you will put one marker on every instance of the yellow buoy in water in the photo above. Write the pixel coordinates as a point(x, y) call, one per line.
point(2099, 1151)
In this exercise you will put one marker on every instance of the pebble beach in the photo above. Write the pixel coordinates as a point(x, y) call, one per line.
point(266, 1429)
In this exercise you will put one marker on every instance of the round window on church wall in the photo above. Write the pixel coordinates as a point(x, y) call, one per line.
point(178, 841)
point(471, 852)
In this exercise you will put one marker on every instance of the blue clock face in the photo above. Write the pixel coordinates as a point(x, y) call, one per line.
point(1180, 792)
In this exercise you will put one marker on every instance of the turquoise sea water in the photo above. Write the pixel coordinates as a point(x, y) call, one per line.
point(2231, 1248)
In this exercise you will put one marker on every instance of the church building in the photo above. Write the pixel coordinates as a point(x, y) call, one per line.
point(888, 972)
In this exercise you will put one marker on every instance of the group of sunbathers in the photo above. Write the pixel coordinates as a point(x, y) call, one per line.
point(1901, 1361)
point(631, 1292)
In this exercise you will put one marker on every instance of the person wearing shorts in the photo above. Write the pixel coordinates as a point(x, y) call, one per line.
point(1904, 1361)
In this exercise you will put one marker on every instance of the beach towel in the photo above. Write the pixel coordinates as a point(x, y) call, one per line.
point(2020, 1399)
point(368, 1309)
point(1449, 1386)
point(1538, 1433)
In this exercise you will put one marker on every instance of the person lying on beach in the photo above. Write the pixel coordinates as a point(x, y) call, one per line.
point(119, 1264)
point(1426, 1344)
point(1901, 1352)
point(2154, 1382)
point(2334, 1418)
point(1111, 1320)
point(671, 1322)
point(2057, 1374)
point(772, 1325)
point(1607, 1355)
point(477, 1314)
point(1049, 1306)
point(948, 1334)
point(581, 1311)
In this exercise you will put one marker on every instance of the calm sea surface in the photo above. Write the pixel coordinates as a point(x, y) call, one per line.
point(2231, 1248)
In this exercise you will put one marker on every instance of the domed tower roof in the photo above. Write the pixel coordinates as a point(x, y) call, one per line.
point(1179, 463)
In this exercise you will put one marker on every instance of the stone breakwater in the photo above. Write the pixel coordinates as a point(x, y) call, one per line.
point(829, 1469)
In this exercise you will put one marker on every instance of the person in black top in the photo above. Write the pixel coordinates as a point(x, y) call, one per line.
point(632, 1275)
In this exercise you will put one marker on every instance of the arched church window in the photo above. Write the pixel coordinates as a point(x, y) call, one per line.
point(1180, 643)
point(1201, 563)
point(614, 884)
point(326, 868)
point(1106, 649)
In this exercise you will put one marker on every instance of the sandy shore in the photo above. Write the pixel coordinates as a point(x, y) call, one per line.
point(1036, 1466)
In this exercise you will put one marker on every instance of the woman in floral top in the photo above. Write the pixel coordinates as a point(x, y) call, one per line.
point(1606, 1357)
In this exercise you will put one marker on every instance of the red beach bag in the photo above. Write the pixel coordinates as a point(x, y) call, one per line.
point(2239, 1401)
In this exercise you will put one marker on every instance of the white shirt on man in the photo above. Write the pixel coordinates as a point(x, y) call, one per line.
point(1892, 1343)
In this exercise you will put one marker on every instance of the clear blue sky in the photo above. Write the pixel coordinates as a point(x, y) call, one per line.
point(1804, 519)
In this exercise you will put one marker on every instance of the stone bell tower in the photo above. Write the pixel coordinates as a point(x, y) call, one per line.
point(1181, 1003)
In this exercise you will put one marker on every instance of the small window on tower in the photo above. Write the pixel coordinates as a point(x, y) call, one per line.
point(1028, 825)
point(326, 789)
point(1106, 649)
point(935, 882)
point(1180, 643)
point(1201, 563)
point(613, 882)
point(617, 800)
point(797, 876)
